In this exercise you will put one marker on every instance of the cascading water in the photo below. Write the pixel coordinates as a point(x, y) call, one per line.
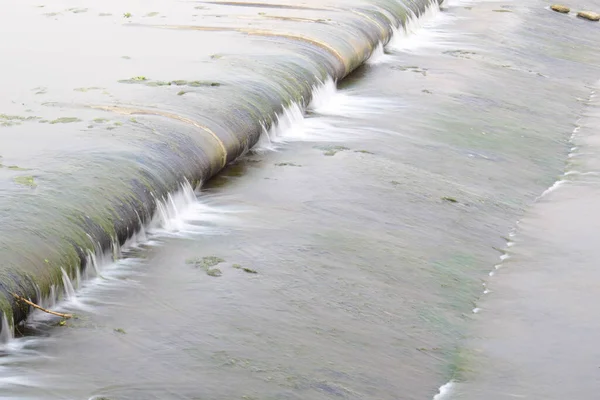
point(328, 100)
point(171, 212)
point(293, 126)
point(6, 332)
point(290, 125)
point(412, 35)
point(67, 285)
point(378, 56)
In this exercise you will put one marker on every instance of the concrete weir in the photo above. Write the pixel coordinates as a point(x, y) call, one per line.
point(83, 188)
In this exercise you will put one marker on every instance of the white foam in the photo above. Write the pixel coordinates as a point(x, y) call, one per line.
point(378, 55)
point(444, 391)
point(552, 188)
point(422, 32)
point(329, 101)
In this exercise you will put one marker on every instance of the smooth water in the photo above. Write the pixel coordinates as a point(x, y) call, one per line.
point(344, 256)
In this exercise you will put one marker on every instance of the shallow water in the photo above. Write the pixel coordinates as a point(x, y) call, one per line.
point(365, 227)
point(537, 330)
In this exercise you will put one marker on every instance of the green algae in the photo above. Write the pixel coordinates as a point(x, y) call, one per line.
point(127, 15)
point(245, 269)
point(120, 330)
point(205, 262)
point(331, 150)
point(87, 89)
point(11, 120)
point(25, 181)
point(449, 199)
point(214, 272)
point(287, 164)
point(203, 83)
point(100, 120)
point(157, 83)
point(179, 82)
point(17, 168)
point(64, 120)
point(152, 14)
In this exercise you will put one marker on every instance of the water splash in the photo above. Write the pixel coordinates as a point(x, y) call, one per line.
point(288, 125)
point(444, 391)
point(67, 285)
point(419, 32)
point(6, 332)
point(172, 210)
point(378, 56)
point(328, 100)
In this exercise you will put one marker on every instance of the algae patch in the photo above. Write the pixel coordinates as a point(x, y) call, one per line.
point(214, 272)
point(10, 120)
point(449, 199)
point(64, 120)
point(179, 82)
point(25, 181)
point(245, 269)
point(207, 264)
point(87, 89)
point(331, 150)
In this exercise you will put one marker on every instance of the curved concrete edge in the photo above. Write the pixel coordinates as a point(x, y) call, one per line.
point(102, 219)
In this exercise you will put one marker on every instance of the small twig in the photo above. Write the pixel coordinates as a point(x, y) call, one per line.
point(32, 304)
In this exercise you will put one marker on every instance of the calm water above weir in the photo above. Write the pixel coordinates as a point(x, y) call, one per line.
point(342, 257)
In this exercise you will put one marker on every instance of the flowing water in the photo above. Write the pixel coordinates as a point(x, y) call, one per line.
point(341, 257)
